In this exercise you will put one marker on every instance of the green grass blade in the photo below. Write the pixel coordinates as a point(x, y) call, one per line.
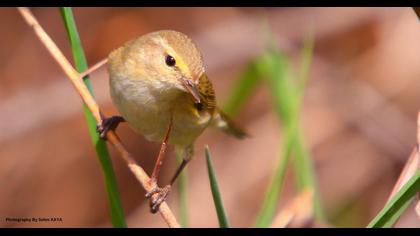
point(396, 206)
point(303, 167)
point(287, 96)
point(281, 87)
point(269, 204)
point(273, 68)
point(302, 161)
point(116, 210)
point(182, 194)
point(242, 88)
point(305, 176)
point(306, 59)
point(286, 93)
point(223, 222)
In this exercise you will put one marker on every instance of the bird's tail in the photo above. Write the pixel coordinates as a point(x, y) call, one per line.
point(227, 125)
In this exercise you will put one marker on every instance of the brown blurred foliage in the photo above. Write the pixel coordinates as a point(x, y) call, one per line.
point(359, 114)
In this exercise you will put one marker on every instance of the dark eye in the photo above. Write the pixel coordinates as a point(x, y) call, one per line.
point(198, 106)
point(170, 61)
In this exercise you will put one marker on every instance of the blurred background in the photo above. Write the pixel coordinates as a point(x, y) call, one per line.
point(358, 115)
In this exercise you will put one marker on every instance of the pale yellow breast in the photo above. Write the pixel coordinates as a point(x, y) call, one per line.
point(147, 106)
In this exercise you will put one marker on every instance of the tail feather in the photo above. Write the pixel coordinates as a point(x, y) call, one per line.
point(227, 125)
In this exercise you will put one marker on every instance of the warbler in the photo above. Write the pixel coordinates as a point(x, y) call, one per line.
point(159, 86)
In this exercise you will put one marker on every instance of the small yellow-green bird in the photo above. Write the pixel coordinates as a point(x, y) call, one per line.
point(159, 86)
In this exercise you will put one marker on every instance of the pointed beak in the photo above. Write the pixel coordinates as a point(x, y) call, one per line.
point(192, 89)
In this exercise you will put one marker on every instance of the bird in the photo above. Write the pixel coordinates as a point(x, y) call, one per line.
point(160, 88)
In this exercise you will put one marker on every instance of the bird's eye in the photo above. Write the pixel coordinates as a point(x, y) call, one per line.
point(198, 106)
point(169, 60)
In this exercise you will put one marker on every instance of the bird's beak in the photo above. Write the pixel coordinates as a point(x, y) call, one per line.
point(192, 89)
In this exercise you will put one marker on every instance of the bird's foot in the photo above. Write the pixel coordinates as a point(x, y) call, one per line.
point(108, 124)
point(155, 202)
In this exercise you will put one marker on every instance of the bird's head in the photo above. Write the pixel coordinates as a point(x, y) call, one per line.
point(168, 57)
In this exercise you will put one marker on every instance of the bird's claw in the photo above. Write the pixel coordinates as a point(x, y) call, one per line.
point(155, 202)
point(108, 124)
point(100, 128)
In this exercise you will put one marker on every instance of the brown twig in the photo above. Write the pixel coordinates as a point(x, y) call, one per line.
point(94, 67)
point(77, 81)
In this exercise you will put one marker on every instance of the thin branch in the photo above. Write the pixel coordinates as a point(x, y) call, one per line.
point(94, 67)
point(77, 81)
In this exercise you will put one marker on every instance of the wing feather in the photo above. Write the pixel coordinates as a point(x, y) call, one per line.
point(205, 88)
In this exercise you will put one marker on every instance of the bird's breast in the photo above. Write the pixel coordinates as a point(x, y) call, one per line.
point(148, 105)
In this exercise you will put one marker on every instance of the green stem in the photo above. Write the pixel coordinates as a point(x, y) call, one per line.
point(116, 210)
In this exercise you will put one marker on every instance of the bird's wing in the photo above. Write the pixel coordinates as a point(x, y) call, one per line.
point(227, 125)
point(220, 119)
point(208, 97)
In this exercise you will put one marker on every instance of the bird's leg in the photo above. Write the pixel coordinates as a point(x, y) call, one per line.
point(165, 191)
point(162, 192)
point(161, 155)
point(94, 67)
point(108, 124)
point(181, 167)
